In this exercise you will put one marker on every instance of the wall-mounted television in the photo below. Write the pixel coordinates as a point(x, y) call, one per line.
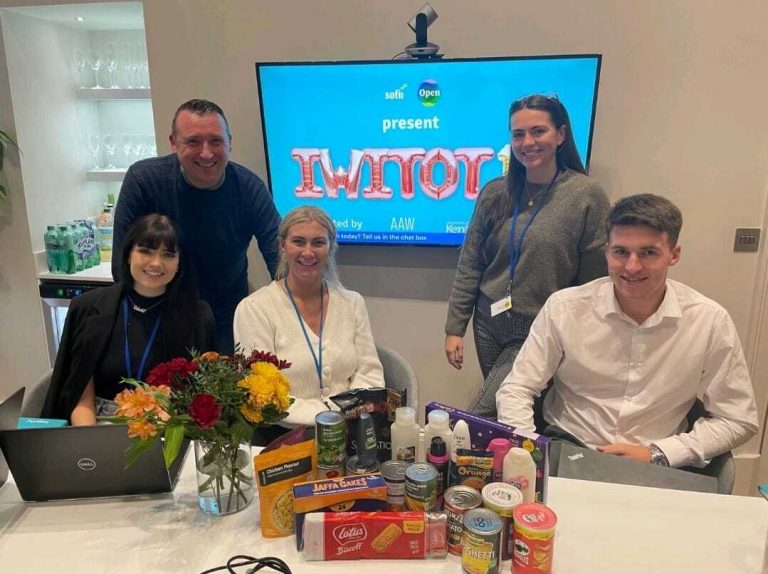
point(397, 151)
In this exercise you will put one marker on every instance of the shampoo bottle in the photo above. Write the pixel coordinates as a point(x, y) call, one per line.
point(405, 435)
point(520, 471)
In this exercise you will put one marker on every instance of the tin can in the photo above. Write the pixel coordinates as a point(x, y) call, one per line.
point(503, 498)
point(329, 471)
point(393, 472)
point(355, 467)
point(458, 500)
point(534, 539)
point(331, 441)
point(421, 487)
point(481, 542)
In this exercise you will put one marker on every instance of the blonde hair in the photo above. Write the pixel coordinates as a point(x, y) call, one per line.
point(308, 214)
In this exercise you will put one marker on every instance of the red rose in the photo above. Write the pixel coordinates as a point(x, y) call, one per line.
point(204, 410)
point(171, 373)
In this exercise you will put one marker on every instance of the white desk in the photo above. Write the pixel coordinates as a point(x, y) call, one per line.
point(602, 528)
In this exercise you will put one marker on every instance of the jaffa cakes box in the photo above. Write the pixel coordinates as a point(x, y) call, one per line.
point(367, 492)
point(482, 431)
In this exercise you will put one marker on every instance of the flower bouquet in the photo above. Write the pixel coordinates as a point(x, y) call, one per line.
point(216, 400)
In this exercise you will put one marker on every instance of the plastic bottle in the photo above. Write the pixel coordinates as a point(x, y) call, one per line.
point(51, 249)
point(438, 457)
point(94, 257)
point(421, 446)
point(104, 227)
point(67, 242)
point(520, 471)
point(499, 447)
point(78, 235)
point(405, 435)
point(437, 425)
point(459, 440)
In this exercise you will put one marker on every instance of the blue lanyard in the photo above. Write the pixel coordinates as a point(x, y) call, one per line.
point(516, 249)
point(147, 348)
point(318, 359)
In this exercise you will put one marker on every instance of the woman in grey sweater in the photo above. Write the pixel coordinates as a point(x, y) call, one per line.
point(534, 231)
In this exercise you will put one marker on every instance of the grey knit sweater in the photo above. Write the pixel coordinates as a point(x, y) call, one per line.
point(563, 247)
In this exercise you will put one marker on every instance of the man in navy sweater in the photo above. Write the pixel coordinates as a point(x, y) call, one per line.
point(219, 205)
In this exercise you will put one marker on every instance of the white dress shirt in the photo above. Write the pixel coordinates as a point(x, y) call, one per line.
point(266, 320)
point(616, 381)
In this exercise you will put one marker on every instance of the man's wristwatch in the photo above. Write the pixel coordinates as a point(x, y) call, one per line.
point(658, 456)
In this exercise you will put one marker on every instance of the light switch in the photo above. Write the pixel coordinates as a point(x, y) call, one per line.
point(747, 239)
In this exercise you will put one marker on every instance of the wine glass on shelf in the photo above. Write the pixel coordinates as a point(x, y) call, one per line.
point(93, 146)
point(140, 65)
point(110, 58)
point(151, 145)
point(110, 146)
point(136, 64)
point(96, 62)
point(137, 147)
point(79, 62)
point(125, 58)
point(126, 148)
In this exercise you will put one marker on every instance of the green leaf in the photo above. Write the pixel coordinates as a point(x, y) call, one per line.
point(137, 448)
point(174, 436)
point(241, 430)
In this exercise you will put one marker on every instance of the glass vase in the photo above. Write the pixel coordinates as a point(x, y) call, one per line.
point(224, 476)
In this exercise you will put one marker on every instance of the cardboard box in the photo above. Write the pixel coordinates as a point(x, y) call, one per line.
point(482, 431)
point(367, 492)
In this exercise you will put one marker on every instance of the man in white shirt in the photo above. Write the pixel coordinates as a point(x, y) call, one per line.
point(631, 353)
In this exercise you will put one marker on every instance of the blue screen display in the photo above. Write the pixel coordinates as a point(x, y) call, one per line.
point(397, 151)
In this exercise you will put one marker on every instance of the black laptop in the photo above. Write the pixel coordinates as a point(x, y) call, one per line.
point(83, 462)
point(9, 418)
point(570, 461)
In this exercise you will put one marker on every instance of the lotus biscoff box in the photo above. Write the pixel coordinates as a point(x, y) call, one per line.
point(366, 492)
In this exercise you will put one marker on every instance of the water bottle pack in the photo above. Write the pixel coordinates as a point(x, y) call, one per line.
point(71, 247)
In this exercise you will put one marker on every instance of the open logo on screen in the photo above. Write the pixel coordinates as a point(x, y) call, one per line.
point(86, 464)
point(429, 93)
point(349, 533)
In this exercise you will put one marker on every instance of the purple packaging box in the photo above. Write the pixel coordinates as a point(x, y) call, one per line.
point(482, 431)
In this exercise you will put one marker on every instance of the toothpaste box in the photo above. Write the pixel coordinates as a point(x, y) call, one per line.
point(367, 492)
point(482, 431)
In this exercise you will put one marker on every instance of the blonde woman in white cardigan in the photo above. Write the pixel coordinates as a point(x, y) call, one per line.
point(307, 317)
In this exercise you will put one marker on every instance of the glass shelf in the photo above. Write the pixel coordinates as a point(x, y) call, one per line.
point(113, 93)
point(115, 174)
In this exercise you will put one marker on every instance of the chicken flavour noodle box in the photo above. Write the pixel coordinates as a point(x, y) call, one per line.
point(349, 493)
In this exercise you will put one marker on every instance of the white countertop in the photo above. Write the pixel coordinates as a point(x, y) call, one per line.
point(601, 528)
point(102, 273)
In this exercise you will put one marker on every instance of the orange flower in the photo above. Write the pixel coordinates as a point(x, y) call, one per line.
point(142, 429)
point(208, 356)
point(135, 403)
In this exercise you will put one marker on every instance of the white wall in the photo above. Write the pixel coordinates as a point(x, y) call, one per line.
point(23, 357)
point(680, 112)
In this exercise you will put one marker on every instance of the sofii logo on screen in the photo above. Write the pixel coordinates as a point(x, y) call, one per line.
point(429, 93)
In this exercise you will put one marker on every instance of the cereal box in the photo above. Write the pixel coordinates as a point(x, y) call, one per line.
point(367, 492)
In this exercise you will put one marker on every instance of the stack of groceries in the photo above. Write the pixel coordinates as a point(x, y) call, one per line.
point(372, 484)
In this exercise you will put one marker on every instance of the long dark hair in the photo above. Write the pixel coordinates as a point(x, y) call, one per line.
point(567, 156)
point(180, 324)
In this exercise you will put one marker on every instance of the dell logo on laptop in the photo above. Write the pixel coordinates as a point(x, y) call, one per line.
point(86, 464)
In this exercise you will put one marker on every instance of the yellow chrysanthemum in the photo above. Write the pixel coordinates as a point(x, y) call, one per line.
point(266, 385)
point(251, 414)
point(142, 429)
